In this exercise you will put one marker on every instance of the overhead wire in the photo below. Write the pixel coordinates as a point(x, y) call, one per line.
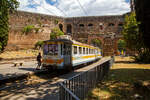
point(45, 8)
point(51, 11)
point(61, 11)
point(82, 7)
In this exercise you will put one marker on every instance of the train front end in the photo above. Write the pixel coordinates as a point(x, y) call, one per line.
point(52, 58)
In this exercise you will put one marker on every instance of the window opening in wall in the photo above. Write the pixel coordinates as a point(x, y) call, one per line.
point(75, 49)
point(111, 24)
point(80, 50)
point(120, 24)
point(101, 27)
point(69, 29)
point(90, 25)
point(61, 27)
point(81, 25)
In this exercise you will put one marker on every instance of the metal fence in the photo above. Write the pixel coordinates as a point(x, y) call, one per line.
point(77, 87)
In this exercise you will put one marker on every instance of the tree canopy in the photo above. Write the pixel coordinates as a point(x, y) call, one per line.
point(134, 39)
point(121, 44)
point(6, 7)
point(97, 42)
point(55, 32)
point(131, 32)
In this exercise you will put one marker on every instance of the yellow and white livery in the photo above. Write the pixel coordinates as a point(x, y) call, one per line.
point(66, 54)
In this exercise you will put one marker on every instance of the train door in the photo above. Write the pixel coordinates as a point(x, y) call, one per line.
point(67, 55)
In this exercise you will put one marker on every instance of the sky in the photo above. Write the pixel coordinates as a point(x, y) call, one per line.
point(76, 8)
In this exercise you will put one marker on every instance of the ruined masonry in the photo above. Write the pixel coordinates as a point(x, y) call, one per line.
point(105, 28)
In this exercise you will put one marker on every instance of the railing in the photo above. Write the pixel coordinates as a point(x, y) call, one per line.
point(77, 87)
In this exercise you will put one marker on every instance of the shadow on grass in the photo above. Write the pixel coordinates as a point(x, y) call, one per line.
point(121, 85)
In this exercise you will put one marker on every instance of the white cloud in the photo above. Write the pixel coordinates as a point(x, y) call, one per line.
point(72, 7)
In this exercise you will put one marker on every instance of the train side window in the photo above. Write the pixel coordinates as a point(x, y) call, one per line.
point(80, 50)
point(83, 50)
point(87, 51)
point(75, 49)
point(64, 50)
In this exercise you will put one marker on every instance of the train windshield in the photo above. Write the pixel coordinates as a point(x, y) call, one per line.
point(50, 49)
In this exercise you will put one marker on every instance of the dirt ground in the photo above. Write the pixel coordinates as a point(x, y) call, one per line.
point(19, 54)
point(126, 81)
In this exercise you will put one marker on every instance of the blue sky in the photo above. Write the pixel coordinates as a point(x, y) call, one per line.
point(72, 8)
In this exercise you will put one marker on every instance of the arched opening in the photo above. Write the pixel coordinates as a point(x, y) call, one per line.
point(97, 43)
point(61, 27)
point(120, 24)
point(121, 47)
point(81, 25)
point(69, 29)
point(90, 25)
point(111, 24)
point(101, 26)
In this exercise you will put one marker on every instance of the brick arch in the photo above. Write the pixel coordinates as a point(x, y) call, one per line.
point(116, 45)
point(90, 38)
point(61, 26)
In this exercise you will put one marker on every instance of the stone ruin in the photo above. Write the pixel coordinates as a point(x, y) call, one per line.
point(83, 29)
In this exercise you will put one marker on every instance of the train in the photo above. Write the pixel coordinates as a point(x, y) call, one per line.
point(65, 53)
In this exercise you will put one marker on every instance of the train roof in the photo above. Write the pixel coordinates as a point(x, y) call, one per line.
point(70, 42)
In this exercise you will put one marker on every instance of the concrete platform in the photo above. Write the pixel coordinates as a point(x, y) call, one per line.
point(9, 70)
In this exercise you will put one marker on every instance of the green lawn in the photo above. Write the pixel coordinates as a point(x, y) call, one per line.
point(123, 82)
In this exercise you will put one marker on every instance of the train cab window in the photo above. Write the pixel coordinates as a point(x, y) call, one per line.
point(87, 51)
point(75, 50)
point(45, 49)
point(83, 50)
point(80, 50)
point(53, 49)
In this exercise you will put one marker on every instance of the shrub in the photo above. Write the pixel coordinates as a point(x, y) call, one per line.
point(36, 30)
point(39, 44)
point(56, 21)
point(28, 29)
point(55, 32)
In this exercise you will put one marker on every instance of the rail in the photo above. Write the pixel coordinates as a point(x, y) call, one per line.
point(77, 87)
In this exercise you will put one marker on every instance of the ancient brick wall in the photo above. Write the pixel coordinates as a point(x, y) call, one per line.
point(19, 20)
point(82, 29)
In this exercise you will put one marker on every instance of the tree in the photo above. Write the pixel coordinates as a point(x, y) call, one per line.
point(131, 32)
point(121, 45)
point(134, 39)
point(97, 43)
point(55, 32)
point(6, 7)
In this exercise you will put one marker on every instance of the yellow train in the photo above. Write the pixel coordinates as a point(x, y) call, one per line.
point(66, 54)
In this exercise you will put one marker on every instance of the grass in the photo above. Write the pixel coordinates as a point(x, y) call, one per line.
point(122, 80)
